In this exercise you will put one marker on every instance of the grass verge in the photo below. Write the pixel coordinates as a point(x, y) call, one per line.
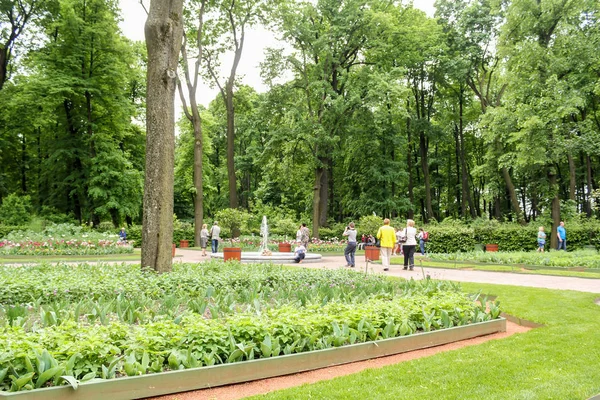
point(557, 361)
point(517, 269)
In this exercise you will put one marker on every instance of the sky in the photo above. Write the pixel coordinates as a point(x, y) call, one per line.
point(258, 39)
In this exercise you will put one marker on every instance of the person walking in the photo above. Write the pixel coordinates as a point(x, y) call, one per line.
point(215, 232)
point(411, 244)
point(387, 240)
point(204, 239)
point(561, 234)
point(399, 240)
point(299, 234)
point(541, 239)
point(305, 236)
point(423, 237)
point(350, 250)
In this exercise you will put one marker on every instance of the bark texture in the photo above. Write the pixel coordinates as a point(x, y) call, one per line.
point(163, 32)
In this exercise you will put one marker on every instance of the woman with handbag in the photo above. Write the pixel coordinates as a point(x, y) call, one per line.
point(410, 232)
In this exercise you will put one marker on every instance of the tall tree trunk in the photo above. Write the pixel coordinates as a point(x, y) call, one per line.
point(590, 187)
point(466, 192)
point(163, 31)
point(198, 181)
point(497, 208)
point(510, 187)
point(316, 201)
point(72, 189)
point(572, 178)
point(425, 167)
point(460, 197)
point(233, 197)
point(409, 165)
point(4, 57)
point(324, 194)
point(194, 118)
point(23, 164)
point(555, 208)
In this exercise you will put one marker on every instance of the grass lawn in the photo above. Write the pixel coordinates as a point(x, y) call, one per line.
point(558, 361)
point(135, 256)
point(540, 270)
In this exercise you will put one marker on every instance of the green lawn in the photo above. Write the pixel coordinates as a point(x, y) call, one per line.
point(558, 361)
point(518, 269)
point(135, 256)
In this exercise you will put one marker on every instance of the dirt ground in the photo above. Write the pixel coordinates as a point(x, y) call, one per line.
point(242, 390)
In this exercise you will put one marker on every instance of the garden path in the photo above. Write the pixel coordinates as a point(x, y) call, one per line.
point(501, 278)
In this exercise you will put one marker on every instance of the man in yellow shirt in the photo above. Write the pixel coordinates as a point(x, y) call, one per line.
point(387, 240)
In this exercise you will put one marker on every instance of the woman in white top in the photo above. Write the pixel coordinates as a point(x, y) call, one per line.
point(410, 245)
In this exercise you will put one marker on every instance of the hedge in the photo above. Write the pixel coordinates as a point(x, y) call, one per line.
point(443, 238)
point(508, 237)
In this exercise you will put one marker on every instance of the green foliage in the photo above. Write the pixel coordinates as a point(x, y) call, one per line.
point(285, 227)
point(566, 340)
point(107, 320)
point(458, 237)
point(369, 224)
point(232, 221)
point(62, 239)
point(15, 210)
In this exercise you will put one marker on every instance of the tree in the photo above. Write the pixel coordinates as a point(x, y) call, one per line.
point(15, 15)
point(328, 38)
point(163, 31)
point(227, 32)
point(67, 116)
point(192, 112)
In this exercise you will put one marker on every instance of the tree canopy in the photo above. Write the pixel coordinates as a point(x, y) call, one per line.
point(486, 110)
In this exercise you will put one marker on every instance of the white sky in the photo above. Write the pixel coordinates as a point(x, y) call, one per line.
point(257, 40)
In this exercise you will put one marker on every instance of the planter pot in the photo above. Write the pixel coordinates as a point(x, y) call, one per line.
point(479, 247)
point(491, 247)
point(371, 253)
point(174, 247)
point(183, 243)
point(232, 253)
point(285, 247)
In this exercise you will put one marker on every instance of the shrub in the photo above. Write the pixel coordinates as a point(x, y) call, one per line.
point(284, 227)
point(232, 220)
point(15, 210)
point(369, 224)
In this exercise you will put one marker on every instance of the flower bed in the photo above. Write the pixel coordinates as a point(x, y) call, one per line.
point(63, 240)
point(107, 321)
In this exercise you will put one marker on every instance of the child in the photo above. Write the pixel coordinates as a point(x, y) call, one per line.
point(300, 252)
point(541, 239)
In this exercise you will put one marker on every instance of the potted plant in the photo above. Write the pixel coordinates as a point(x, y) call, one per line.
point(232, 221)
point(285, 247)
point(284, 227)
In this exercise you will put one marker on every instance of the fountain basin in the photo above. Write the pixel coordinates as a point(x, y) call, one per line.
point(275, 257)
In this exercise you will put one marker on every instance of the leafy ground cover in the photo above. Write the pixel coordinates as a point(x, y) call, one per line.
point(62, 239)
point(556, 361)
point(104, 321)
